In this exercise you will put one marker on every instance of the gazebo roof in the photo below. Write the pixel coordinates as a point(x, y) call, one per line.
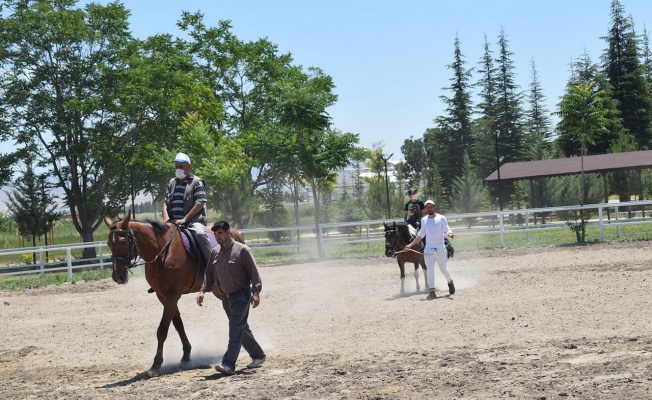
point(634, 160)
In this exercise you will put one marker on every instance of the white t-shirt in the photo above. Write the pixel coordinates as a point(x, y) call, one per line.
point(435, 228)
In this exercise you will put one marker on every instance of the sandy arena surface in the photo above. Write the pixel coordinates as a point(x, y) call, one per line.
point(540, 323)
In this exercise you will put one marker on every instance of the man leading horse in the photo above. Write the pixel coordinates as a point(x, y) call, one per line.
point(435, 227)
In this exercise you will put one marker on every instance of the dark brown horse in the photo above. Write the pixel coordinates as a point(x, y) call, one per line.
point(397, 236)
point(168, 269)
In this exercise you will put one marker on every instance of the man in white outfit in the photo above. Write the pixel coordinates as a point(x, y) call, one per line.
point(434, 226)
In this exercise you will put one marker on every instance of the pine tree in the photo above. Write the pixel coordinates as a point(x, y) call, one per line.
point(625, 74)
point(358, 183)
point(455, 125)
point(31, 207)
point(538, 117)
point(508, 105)
point(483, 144)
point(647, 58)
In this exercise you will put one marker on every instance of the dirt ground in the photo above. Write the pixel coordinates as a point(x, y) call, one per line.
point(541, 323)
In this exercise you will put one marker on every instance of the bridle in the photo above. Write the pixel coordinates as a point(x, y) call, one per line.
point(392, 236)
point(131, 259)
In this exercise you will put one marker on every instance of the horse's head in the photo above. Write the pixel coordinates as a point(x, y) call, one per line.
point(391, 238)
point(123, 247)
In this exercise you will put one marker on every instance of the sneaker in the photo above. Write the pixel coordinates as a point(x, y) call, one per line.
point(451, 287)
point(226, 370)
point(432, 295)
point(256, 362)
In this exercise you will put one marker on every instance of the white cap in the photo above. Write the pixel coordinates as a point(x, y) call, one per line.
point(182, 157)
point(429, 202)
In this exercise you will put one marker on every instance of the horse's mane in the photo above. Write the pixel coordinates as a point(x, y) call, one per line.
point(158, 227)
point(405, 233)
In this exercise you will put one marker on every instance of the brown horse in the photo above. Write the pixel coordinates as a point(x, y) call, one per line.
point(168, 269)
point(397, 236)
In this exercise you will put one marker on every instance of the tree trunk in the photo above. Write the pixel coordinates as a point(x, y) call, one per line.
point(317, 229)
point(87, 237)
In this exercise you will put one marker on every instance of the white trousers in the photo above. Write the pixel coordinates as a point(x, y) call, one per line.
point(429, 256)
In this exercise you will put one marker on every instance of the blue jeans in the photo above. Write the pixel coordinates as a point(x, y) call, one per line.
point(236, 307)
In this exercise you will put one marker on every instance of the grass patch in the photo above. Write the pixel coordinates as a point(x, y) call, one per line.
point(30, 281)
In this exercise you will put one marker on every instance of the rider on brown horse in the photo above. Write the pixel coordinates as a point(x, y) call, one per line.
point(185, 204)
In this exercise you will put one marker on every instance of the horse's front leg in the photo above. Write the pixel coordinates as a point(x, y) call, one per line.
point(169, 310)
point(178, 325)
point(416, 275)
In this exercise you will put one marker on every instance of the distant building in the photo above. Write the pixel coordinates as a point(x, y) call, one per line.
point(348, 176)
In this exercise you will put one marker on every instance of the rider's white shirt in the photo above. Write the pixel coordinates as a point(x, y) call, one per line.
point(435, 228)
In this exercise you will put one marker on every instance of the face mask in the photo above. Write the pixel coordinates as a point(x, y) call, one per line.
point(414, 196)
point(180, 174)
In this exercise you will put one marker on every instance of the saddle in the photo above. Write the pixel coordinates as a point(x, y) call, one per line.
point(193, 251)
point(191, 246)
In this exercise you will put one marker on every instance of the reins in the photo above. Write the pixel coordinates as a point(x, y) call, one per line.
point(450, 241)
point(132, 261)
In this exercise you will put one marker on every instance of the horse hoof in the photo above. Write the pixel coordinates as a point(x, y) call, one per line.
point(152, 373)
point(185, 359)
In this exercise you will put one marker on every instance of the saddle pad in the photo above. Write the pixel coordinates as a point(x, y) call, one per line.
point(190, 251)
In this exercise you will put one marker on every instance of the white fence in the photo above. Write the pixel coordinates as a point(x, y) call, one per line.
point(616, 215)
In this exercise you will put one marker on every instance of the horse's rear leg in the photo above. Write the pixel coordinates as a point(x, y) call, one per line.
point(169, 311)
point(178, 325)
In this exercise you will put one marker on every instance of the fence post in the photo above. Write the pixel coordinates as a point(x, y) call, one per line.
point(319, 241)
point(617, 223)
point(368, 238)
point(527, 226)
point(293, 241)
point(601, 224)
point(101, 257)
point(501, 219)
point(69, 260)
point(42, 265)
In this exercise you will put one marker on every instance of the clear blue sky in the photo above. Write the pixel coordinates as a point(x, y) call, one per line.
point(388, 58)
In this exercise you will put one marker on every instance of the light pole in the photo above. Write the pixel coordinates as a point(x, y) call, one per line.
point(500, 195)
point(387, 183)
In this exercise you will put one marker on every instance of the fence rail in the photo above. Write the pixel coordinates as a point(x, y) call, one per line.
point(512, 224)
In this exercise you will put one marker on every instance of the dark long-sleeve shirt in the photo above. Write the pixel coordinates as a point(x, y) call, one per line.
point(231, 269)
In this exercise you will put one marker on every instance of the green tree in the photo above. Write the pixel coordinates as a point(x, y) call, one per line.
point(539, 190)
point(249, 79)
point(31, 207)
point(647, 57)
point(583, 117)
point(375, 198)
point(483, 154)
point(509, 114)
point(468, 192)
point(414, 156)
point(318, 149)
point(538, 123)
point(455, 125)
point(62, 71)
point(626, 74)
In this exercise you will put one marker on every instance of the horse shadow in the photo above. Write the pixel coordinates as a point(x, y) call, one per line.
point(172, 369)
point(404, 295)
point(165, 370)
